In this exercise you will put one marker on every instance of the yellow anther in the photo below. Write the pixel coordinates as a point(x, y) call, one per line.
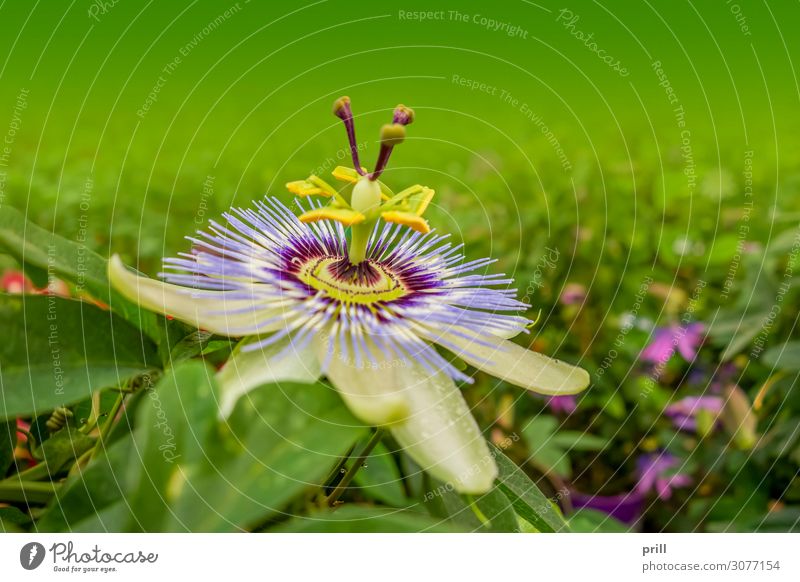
point(409, 219)
point(419, 202)
point(345, 174)
point(345, 216)
point(304, 188)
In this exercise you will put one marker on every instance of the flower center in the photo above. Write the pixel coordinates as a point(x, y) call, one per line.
point(366, 283)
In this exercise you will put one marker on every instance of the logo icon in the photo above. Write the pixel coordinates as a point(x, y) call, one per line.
point(31, 555)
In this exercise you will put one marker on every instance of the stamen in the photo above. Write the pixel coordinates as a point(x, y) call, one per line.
point(341, 109)
point(391, 135)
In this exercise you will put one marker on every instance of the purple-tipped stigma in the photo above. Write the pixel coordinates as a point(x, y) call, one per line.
point(391, 134)
point(342, 110)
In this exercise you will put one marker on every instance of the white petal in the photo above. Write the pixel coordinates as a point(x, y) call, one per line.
point(372, 391)
point(441, 435)
point(512, 363)
point(245, 370)
point(205, 309)
point(505, 333)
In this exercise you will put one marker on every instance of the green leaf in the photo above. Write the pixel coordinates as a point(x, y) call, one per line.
point(499, 510)
point(491, 512)
point(196, 343)
point(109, 519)
point(46, 252)
point(539, 433)
point(579, 441)
point(96, 487)
point(551, 449)
point(179, 418)
point(59, 351)
point(529, 503)
point(13, 518)
point(734, 332)
point(281, 440)
point(587, 520)
point(362, 519)
point(784, 357)
point(63, 447)
point(380, 479)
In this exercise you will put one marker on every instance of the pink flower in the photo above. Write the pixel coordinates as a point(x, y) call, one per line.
point(683, 413)
point(573, 294)
point(666, 340)
point(563, 404)
point(656, 474)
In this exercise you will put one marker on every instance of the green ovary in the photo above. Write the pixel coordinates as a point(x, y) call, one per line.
point(319, 274)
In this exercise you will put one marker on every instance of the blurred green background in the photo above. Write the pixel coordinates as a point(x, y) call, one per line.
point(632, 140)
point(247, 102)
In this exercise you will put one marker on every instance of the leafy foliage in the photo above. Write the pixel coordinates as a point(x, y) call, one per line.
point(60, 351)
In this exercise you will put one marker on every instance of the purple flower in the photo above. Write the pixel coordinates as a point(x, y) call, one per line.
point(666, 340)
point(656, 474)
point(563, 404)
point(625, 507)
point(683, 413)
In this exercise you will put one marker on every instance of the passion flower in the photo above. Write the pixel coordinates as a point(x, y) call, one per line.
point(358, 290)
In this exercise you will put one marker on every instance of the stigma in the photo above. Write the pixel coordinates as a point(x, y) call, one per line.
point(365, 199)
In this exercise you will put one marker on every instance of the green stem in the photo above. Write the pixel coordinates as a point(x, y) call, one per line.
point(80, 462)
point(38, 471)
point(359, 237)
point(357, 464)
point(26, 491)
point(338, 468)
point(485, 521)
point(106, 428)
point(94, 415)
